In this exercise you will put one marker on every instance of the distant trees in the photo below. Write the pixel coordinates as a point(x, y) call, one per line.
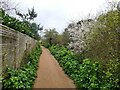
point(65, 37)
point(50, 36)
point(53, 37)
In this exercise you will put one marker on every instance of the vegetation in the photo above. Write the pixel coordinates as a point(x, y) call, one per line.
point(24, 77)
point(53, 37)
point(97, 64)
point(85, 73)
point(30, 29)
point(103, 40)
point(50, 36)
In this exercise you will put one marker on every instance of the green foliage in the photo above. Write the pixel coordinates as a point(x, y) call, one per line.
point(52, 37)
point(24, 77)
point(111, 76)
point(1, 78)
point(65, 58)
point(65, 37)
point(21, 26)
point(102, 42)
point(102, 45)
point(86, 74)
point(45, 44)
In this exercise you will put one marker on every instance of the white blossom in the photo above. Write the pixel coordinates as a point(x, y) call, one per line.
point(77, 33)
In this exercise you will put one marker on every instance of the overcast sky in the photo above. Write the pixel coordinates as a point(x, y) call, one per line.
point(59, 13)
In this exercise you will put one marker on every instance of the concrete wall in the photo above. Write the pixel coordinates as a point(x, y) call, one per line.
point(14, 46)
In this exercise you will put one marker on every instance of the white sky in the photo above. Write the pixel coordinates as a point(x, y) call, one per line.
point(59, 13)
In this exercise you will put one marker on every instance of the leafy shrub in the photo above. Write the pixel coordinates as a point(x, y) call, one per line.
point(23, 27)
point(102, 42)
point(45, 44)
point(24, 77)
point(87, 76)
point(65, 58)
point(85, 73)
point(110, 78)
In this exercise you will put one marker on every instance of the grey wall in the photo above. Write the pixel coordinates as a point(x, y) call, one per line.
point(14, 46)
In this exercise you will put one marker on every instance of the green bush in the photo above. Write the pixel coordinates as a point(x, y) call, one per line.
point(102, 42)
point(45, 44)
point(110, 77)
point(24, 77)
point(23, 27)
point(86, 73)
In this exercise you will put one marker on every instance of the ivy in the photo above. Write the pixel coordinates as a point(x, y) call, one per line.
point(87, 75)
point(24, 77)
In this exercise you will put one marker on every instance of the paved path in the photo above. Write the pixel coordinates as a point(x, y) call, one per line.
point(50, 74)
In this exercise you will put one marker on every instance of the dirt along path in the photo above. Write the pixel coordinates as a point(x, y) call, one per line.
point(50, 74)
